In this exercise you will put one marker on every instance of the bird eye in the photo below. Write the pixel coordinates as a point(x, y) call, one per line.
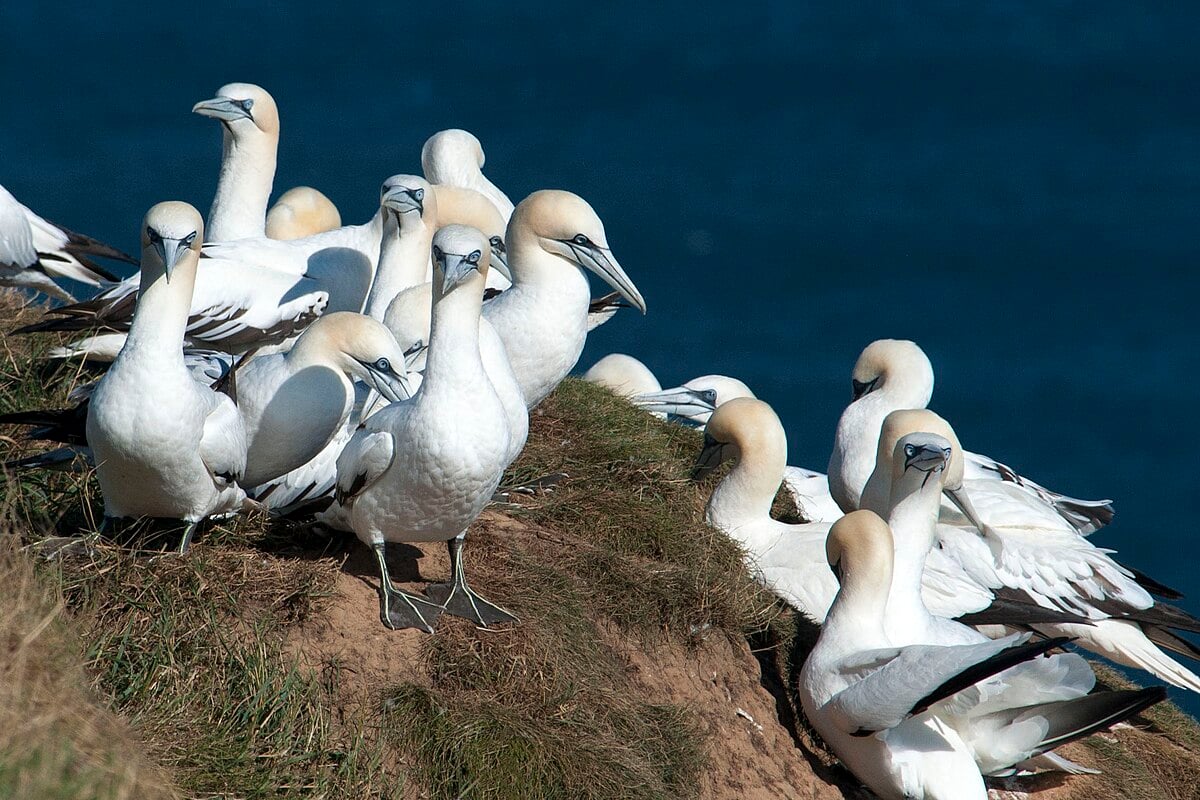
point(474, 257)
point(187, 240)
point(383, 365)
point(581, 240)
point(497, 244)
point(946, 452)
point(419, 194)
point(153, 235)
point(909, 450)
point(247, 104)
point(438, 255)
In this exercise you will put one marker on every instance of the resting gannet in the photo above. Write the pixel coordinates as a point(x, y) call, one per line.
point(301, 211)
point(455, 157)
point(33, 252)
point(893, 374)
point(423, 470)
point(1040, 564)
point(250, 139)
point(165, 445)
point(553, 237)
point(623, 375)
point(925, 720)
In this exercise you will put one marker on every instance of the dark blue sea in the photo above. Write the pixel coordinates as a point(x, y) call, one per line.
point(1015, 186)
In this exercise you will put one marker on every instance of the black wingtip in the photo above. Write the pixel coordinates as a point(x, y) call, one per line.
point(1152, 586)
point(1019, 614)
point(1071, 720)
point(1009, 657)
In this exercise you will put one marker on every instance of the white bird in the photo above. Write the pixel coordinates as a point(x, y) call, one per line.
point(294, 403)
point(423, 470)
point(301, 211)
point(165, 445)
point(33, 252)
point(623, 375)
point(249, 293)
point(455, 157)
point(694, 402)
point(249, 144)
point(1039, 564)
point(553, 237)
point(895, 714)
point(404, 251)
point(893, 374)
point(461, 206)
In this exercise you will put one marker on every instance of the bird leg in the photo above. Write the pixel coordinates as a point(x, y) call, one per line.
point(399, 609)
point(458, 599)
point(188, 530)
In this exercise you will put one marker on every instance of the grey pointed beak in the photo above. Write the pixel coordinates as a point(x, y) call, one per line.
point(693, 404)
point(709, 459)
point(499, 260)
point(170, 250)
point(225, 109)
point(456, 268)
point(402, 200)
point(858, 388)
point(962, 501)
point(414, 358)
point(393, 386)
point(600, 261)
point(925, 458)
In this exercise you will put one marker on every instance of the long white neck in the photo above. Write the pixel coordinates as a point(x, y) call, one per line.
point(403, 261)
point(542, 318)
point(857, 438)
point(454, 336)
point(747, 492)
point(856, 618)
point(239, 209)
point(913, 520)
point(161, 316)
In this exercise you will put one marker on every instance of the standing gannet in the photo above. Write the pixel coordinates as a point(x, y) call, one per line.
point(301, 211)
point(893, 374)
point(421, 471)
point(33, 252)
point(294, 403)
point(165, 445)
point(455, 157)
point(896, 713)
point(249, 143)
point(553, 237)
point(1043, 564)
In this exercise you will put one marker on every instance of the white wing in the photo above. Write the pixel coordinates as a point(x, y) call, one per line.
point(363, 460)
point(223, 443)
point(292, 255)
point(16, 240)
point(1085, 516)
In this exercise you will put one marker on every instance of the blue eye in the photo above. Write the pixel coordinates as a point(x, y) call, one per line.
point(909, 450)
point(247, 104)
point(473, 258)
point(153, 236)
point(438, 255)
point(419, 194)
point(581, 240)
point(191, 237)
point(383, 365)
point(497, 244)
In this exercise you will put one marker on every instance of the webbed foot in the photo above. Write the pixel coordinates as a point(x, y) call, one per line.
point(399, 610)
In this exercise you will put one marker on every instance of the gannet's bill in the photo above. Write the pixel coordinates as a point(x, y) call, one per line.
point(423, 470)
point(33, 252)
point(165, 445)
point(411, 213)
point(553, 237)
point(455, 157)
point(301, 211)
point(249, 143)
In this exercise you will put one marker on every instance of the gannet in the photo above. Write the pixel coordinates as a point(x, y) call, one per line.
point(424, 469)
point(301, 211)
point(412, 213)
point(895, 714)
point(455, 157)
point(33, 252)
point(553, 237)
point(165, 446)
point(294, 403)
point(1042, 564)
point(249, 141)
point(249, 293)
point(461, 206)
point(893, 374)
point(623, 375)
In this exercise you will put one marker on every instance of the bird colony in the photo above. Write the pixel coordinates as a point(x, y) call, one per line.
point(379, 378)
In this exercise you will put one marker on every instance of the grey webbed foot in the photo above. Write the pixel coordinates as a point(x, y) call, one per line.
point(399, 609)
point(459, 599)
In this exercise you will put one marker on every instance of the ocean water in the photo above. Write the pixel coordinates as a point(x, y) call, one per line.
point(1012, 185)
